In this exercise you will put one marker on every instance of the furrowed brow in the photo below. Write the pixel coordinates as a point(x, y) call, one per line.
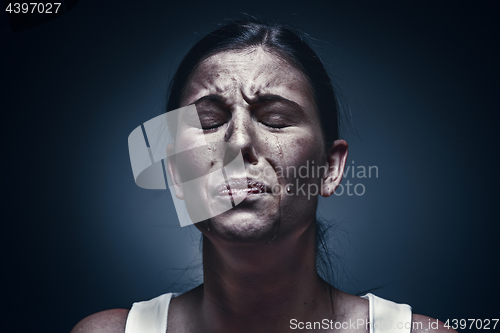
point(262, 99)
point(211, 98)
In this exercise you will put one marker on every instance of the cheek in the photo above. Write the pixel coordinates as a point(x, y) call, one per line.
point(303, 155)
point(300, 181)
point(200, 163)
point(193, 158)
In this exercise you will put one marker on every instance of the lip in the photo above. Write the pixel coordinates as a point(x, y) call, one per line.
point(243, 188)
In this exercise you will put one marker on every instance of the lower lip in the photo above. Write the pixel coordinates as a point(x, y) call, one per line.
point(242, 193)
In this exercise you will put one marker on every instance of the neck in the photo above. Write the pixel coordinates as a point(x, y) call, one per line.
point(247, 288)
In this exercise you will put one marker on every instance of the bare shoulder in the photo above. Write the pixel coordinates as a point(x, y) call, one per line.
point(424, 324)
point(181, 310)
point(109, 321)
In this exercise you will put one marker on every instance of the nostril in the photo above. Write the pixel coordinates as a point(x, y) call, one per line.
point(247, 157)
point(250, 158)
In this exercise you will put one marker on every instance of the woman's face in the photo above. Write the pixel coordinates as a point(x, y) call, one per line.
point(254, 102)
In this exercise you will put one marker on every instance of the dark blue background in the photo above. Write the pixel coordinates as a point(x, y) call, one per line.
point(419, 79)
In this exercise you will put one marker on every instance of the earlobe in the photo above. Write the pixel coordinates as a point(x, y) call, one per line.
point(336, 160)
point(173, 172)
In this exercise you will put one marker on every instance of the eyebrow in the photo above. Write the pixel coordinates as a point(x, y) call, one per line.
point(259, 99)
point(212, 98)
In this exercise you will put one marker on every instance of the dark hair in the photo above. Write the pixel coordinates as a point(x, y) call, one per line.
point(281, 41)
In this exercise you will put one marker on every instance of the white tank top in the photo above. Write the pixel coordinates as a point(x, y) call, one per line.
point(384, 316)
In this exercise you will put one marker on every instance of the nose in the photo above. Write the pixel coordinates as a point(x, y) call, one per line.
point(240, 136)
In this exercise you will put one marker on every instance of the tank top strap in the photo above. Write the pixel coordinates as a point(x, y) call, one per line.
point(149, 316)
point(387, 316)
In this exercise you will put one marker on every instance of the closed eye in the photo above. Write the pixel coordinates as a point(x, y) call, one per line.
point(213, 128)
point(277, 114)
point(274, 120)
point(212, 113)
point(274, 126)
point(210, 121)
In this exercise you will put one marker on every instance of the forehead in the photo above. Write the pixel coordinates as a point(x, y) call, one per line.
point(246, 74)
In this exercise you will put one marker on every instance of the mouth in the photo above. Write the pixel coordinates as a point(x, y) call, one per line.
point(243, 188)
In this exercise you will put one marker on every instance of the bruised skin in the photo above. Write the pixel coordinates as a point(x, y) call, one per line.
point(263, 106)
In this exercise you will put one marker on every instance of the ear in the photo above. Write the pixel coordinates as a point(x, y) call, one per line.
point(173, 172)
point(336, 160)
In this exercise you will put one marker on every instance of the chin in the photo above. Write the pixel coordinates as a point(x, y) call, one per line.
point(244, 226)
